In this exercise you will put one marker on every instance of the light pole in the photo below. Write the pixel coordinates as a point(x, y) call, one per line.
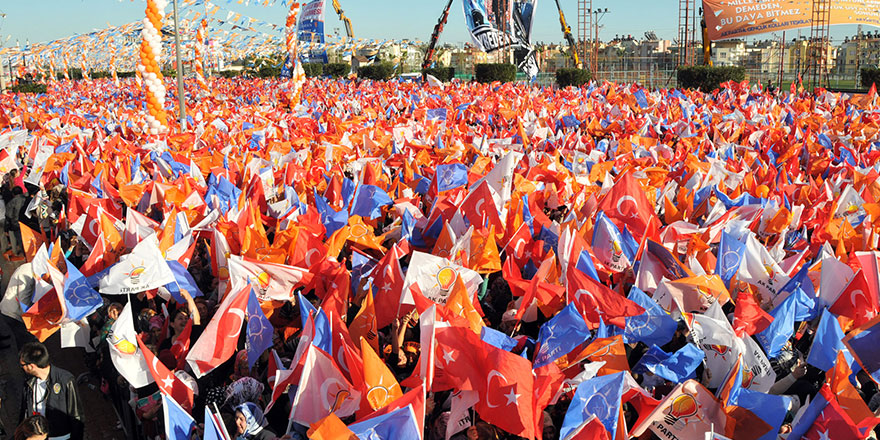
point(598, 13)
point(180, 101)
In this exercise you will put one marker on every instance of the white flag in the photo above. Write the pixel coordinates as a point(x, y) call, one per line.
point(143, 269)
point(435, 277)
point(124, 351)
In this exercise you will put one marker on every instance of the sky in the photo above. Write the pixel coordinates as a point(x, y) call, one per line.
point(46, 20)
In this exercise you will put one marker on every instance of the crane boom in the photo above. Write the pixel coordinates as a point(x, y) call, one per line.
point(348, 30)
point(566, 32)
point(438, 29)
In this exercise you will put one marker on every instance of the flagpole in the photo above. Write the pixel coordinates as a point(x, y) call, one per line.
point(181, 104)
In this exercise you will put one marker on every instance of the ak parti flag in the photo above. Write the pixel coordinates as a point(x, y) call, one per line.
point(322, 390)
point(381, 386)
point(364, 323)
point(30, 240)
point(688, 412)
point(330, 428)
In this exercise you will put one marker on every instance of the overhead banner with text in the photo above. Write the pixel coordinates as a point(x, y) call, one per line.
point(488, 21)
point(727, 19)
point(311, 32)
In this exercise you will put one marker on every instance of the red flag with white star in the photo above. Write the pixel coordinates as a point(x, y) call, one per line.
point(167, 381)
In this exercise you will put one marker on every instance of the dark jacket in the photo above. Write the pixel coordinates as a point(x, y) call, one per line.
point(63, 408)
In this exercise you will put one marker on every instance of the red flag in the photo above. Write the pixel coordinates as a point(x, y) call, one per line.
point(748, 317)
point(479, 208)
point(168, 383)
point(856, 301)
point(626, 204)
point(594, 300)
point(387, 284)
point(832, 422)
point(181, 345)
point(220, 338)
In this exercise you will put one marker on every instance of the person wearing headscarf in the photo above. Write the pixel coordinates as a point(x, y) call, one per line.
point(250, 423)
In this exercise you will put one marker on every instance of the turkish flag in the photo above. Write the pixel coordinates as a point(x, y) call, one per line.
point(388, 283)
point(181, 345)
point(479, 208)
point(748, 317)
point(856, 301)
point(166, 380)
point(626, 204)
point(595, 300)
point(220, 338)
point(503, 379)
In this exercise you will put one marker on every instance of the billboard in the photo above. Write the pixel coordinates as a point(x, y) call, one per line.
point(726, 19)
point(311, 32)
point(497, 24)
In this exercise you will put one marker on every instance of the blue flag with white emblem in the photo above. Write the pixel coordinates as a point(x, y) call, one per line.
point(369, 200)
point(600, 397)
point(449, 176)
point(730, 255)
point(654, 327)
point(827, 342)
point(675, 367)
point(560, 335)
point(259, 330)
point(79, 297)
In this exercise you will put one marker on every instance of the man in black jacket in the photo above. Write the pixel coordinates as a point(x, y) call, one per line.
point(50, 391)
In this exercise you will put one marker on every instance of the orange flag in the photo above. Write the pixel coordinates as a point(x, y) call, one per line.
point(31, 241)
point(330, 428)
point(847, 396)
point(459, 304)
point(362, 234)
point(484, 256)
point(364, 324)
point(382, 388)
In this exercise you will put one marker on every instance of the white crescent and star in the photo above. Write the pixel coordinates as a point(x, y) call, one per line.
point(634, 212)
point(236, 328)
point(493, 374)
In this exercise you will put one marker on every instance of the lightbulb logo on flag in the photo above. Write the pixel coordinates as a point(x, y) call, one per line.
point(682, 408)
point(261, 281)
point(446, 277)
point(135, 275)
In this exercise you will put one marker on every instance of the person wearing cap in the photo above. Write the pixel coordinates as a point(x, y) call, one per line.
point(51, 392)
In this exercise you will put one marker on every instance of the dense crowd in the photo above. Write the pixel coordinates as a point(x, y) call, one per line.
point(548, 245)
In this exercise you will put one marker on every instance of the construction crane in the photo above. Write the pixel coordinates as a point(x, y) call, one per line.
point(438, 29)
point(348, 31)
point(566, 31)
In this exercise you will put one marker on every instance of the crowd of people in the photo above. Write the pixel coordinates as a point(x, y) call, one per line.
point(472, 261)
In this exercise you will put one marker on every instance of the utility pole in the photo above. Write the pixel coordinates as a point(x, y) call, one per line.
point(181, 104)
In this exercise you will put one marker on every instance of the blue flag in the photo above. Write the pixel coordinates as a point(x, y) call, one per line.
point(409, 232)
point(80, 298)
point(449, 176)
point(182, 280)
point(774, 337)
point(862, 343)
point(497, 339)
point(212, 429)
point(398, 424)
point(654, 327)
point(641, 99)
point(675, 367)
point(369, 200)
point(801, 288)
point(332, 220)
point(827, 342)
point(730, 255)
point(178, 423)
point(323, 336)
point(599, 396)
point(259, 330)
point(560, 335)
point(435, 114)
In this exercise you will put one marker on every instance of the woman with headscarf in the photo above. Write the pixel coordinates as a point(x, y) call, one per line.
point(250, 423)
